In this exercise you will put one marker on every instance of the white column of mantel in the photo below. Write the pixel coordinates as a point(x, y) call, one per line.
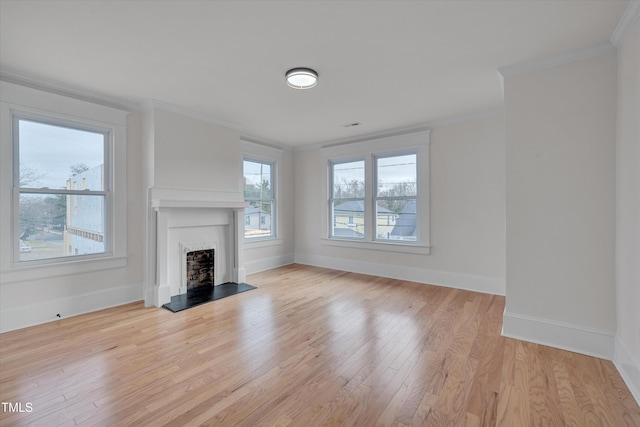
point(163, 290)
point(239, 272)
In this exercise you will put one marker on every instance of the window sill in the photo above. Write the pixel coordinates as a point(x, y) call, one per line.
point(406, 248)
point(262, 243)
point(20, 273)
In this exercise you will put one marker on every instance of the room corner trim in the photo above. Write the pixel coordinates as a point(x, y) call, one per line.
point(557, 60)
point(626, 23)
point(629, 368)
point(268, 263)
point(558, 334)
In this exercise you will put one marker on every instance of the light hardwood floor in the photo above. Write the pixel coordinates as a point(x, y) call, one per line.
point(310, 346)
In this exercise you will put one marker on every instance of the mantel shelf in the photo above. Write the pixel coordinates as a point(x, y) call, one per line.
point(174, 198)
point(176, 204)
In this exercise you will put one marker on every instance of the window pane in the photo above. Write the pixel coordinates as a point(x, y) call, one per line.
point(347, 219)
point(348, 180)
point(396, 219)
point(257, 180)
point(50, 155)
point(257, 219)
point(258, 191)
point(58, 225)
point(397, 176)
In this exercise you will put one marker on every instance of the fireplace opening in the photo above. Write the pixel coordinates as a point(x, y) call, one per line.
point(200, 268)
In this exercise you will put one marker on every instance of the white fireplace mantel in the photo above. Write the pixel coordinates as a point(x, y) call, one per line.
point(173, 209)
point(193, 198)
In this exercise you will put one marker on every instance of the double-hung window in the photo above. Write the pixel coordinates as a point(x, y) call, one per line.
point(63, 184)
point(347, 199)
point(61, 187)
point(396, 184)
point(378, 193)
point(259, 217)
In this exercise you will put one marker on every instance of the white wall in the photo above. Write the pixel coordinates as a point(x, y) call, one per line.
point(194, 154)
point(466, 210)
point(627, 351)
point(560, 198)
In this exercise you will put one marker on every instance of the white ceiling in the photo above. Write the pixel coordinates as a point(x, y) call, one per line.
point(384, 64)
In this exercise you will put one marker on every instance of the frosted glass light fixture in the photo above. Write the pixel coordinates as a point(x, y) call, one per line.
point(301, 78)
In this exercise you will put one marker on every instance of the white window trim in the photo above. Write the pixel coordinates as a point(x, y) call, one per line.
point(255, 152)
point(392, 145)
point(375, 197)
point(50, 107)
point(18, 115)
point(330, 164)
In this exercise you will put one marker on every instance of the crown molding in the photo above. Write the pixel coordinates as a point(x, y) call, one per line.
point(165, 106)
point(626, 22)
point(265, 142)
point(556, 60)
point(24, 79)
point(425, 126)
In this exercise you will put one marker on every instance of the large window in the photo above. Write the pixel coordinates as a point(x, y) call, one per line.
point(393, 201)
point(378, 194)
point(62, 189)
point(259, 217)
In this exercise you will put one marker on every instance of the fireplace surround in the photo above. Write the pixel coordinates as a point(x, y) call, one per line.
point(183, 221)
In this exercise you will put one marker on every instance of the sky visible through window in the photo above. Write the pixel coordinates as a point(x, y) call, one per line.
point(53, 224)
point(397, 170)
point(391, 171)
point(50, 152)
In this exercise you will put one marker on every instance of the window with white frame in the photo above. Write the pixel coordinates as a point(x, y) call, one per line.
point(377, 195)
point(394, 199)
point(347, 199)
point(396, 184)
point(259, 217)
point(62, 186)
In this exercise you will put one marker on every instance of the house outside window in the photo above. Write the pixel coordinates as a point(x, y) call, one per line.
point(62, 188)
point(259, 217)
point(347, 197)
point(377, 194)
point(396, 183)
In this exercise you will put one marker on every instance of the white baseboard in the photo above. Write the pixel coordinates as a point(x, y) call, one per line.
point(34, 314)
point(263, 264)
point(469, 282)
point(558, 334)
point(629, 368)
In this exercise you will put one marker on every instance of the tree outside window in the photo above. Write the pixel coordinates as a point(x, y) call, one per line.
point(347, 199)
point(390, 206)
point(259, 217)
point(396, 197)
point(62, 190)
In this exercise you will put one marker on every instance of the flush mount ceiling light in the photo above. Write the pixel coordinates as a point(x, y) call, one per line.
point(301, 78)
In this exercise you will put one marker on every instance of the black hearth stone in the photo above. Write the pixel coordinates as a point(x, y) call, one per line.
point(204, 294)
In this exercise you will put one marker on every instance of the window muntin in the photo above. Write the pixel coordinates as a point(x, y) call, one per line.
point(62, 189)
point(347, 199)
point(396, 186)
point(375, 198)
point(259, 217)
